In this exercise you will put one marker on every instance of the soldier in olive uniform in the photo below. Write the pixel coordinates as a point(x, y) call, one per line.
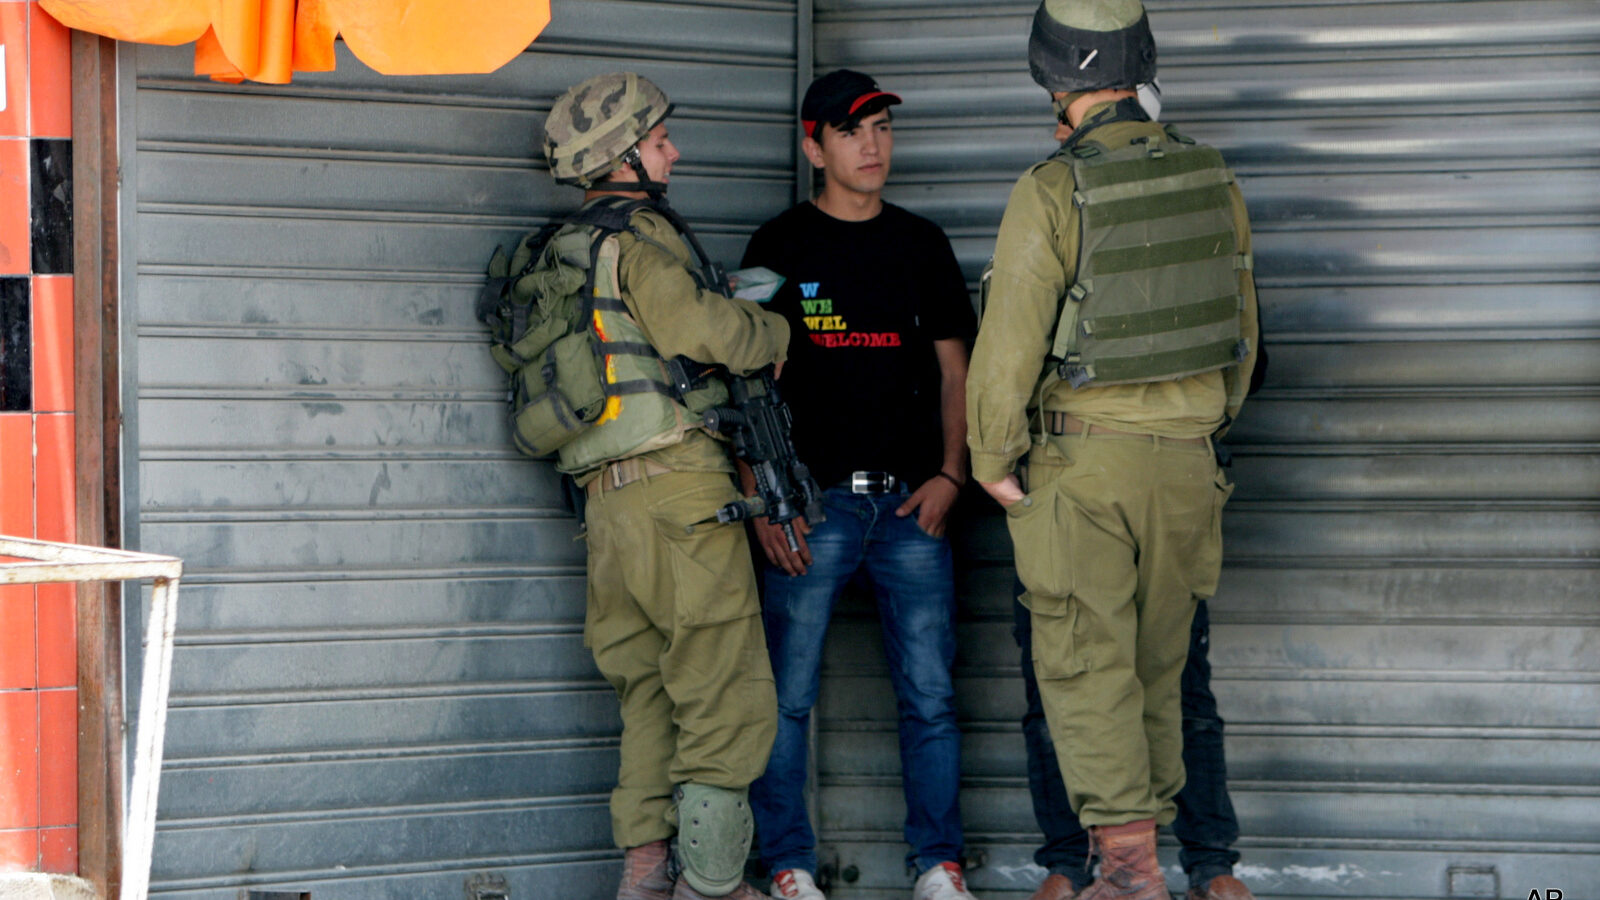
point(1117, 342)
point(673, 617)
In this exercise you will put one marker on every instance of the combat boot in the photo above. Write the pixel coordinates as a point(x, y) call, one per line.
point(645, 874)
point(743, 892)
point(1128, 866)
point(1222, 887)
point(1055, 887)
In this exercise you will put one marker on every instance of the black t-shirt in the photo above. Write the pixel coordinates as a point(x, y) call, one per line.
point(865, 302)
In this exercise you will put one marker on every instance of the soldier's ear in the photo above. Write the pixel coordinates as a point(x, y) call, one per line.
point(812, 150)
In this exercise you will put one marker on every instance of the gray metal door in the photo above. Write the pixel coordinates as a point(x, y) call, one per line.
point(380, 686)
point(1407, 637)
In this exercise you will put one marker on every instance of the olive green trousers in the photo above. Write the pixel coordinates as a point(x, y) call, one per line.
point(1115, 541)
point(675, 626)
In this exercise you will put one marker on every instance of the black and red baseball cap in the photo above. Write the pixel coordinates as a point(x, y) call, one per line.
point(837, 96)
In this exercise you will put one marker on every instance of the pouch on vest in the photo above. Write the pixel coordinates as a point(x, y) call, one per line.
point(1157, 295)
point(540, 339)
point(555, 398)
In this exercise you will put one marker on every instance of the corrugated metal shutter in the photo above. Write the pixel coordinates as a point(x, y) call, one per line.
point(1407, 638)
point(380, 686)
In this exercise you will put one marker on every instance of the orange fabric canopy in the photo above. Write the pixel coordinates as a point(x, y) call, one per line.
point(269, 40)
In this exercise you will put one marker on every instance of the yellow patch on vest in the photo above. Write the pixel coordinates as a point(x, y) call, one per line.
point(613, 404)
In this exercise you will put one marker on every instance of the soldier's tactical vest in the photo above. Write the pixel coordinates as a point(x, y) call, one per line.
point(586, 385)
point(1157, 291)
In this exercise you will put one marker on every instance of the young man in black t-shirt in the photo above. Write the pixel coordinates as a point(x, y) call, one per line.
point(879, 320)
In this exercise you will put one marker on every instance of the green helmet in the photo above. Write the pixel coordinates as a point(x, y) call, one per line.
point(1091, 45)
point(593, 125)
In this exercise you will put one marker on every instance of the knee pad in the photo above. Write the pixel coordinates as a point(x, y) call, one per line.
point(714, 832)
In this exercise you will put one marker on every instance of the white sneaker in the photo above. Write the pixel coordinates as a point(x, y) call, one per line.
point(795, 884)
point(942, 882)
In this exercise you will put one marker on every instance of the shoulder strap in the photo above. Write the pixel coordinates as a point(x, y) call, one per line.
point(1125, 110)
point(1174, 135)
point(612, 214)
point(608, 214)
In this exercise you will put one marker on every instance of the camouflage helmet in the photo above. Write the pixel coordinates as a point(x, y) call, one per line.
point(597, 121)
point(1091, 45)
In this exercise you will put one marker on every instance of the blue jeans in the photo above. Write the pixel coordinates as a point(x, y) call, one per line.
point(1206, 826)
point(912, 577)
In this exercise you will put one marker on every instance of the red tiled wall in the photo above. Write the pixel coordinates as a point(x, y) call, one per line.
point(38, 665)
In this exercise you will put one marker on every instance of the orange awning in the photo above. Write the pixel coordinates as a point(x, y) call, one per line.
point(269, 40)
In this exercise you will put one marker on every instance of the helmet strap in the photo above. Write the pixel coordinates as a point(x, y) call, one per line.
point(1063, 103)
point(656, 190)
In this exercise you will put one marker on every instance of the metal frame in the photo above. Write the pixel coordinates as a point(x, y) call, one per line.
point(49, 562)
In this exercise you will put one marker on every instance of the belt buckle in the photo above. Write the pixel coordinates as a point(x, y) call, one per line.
point(871, 482)
point(624, 472)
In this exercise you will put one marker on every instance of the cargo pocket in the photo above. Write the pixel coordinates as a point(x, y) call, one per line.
point(711, 569)
point(1056, 649)
point(1040, 525)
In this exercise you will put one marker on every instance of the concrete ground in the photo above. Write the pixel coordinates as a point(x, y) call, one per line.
point(34, 886)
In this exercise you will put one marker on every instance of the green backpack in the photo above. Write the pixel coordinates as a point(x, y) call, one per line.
point(540, 327)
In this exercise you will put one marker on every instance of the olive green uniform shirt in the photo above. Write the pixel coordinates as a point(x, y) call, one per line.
point(1035, 263)
point(678, 317)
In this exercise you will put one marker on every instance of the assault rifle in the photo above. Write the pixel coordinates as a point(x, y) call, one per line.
point(758, 422)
